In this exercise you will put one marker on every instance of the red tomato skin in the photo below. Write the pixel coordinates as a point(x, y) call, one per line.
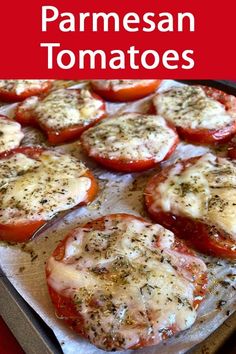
point(232, 153)
point(19, 232)
point(127, 94)
point(207, 137)
point(229, 101)
point(66, 309)
point(30, 151)
point(69, 134)
point(65, 306)
point(57, 137)
point(213, 136)
point(195, 233)
point(232, 149)
point(129, 166)
point(25, 118)
point(7, 96)
point(24, 230)
point(74, 132)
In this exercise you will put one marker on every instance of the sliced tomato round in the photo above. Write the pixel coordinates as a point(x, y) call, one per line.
point(23, 230)
point(125, 92)
point(26, 115)
point(204, 136)
point(122, 163)
point(64, 296)
point(197, 234)
point(7, 95)
point(212, 136)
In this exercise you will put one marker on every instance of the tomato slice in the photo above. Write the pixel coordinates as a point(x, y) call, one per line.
point(65, 302)
point(26, 115)
point(204, 136)
point(122, 163)
point(7, 95)
point(202, 237)
point(23, 230)
point(212, 136)
point(127, 93)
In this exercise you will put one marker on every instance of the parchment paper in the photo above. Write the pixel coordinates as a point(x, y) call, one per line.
point(24, 264)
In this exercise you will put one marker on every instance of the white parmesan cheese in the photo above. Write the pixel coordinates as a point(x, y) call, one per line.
point(65, 108)
point(204, 190)
point(38, 189)
point(189, 107)
point(20, 86)
point(140, 290)
point(10, 134)
point(131, 136)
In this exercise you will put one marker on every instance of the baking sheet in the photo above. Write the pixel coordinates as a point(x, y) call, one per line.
point(24, 264)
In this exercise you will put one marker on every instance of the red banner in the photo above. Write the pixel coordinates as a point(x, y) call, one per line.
point(83, 39)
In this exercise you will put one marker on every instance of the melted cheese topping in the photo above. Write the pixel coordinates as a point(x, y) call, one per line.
point(20, 86)
point(204, 190)
point(189, 107)
point(64, 108)
point(10, 134)
point(125, 288)
point(38, 189)
point(116, 85)
point(131, 136)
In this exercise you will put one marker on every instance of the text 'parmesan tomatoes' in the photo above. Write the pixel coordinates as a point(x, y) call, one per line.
point(63, 114)
point(202, 115)
point(124, 283)
point(196, 199)
point(124, 90)
point(18, 90)
point(35, 185)
point(130, 142)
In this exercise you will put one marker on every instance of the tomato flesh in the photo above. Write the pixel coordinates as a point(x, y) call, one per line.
point(125, 165)
point(65, 306)
point(212, 136)
point(232, 153)
point(232, 149)
point(9, 96)
point(196, 234)
point(129, 166)
point(55, 137)
point(208, 137)
point(129, 93)
point(68, 134)
point(22, 231)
